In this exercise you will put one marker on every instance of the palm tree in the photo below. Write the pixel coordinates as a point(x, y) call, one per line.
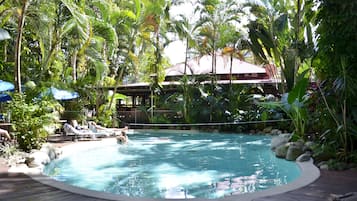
point(81, 32)
point(128, 26)
point(155, 19)
point(230, 38)
point(23, 5)
point(277, 35)
point(35, 34)
point(185, 31)
point(119, 26)
point(5, 9)
point(45, 29)
point(208, 23)
point(51, 23)
point(216, 19)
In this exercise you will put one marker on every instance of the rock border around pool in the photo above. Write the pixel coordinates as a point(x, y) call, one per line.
point(309, 173)
point(33, 162)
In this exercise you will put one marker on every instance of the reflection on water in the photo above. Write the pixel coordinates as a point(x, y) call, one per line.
point(177, 166)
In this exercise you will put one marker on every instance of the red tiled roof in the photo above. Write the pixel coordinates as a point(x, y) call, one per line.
point(203, 65)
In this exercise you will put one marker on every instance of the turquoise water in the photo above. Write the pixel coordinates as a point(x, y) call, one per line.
point(163, 165)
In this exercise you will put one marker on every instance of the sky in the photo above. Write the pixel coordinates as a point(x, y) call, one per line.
point(175, 51)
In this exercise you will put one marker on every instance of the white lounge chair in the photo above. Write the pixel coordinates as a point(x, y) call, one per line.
point(69, 130)
point(100, 129)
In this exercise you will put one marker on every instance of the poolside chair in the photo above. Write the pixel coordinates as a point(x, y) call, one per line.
point(100, 129)
point(69, 130)
point(77, 126)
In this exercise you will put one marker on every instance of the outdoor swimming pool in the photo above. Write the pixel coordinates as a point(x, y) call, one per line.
point(179, 165)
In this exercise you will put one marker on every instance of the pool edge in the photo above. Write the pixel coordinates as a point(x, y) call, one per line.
point(309, 174)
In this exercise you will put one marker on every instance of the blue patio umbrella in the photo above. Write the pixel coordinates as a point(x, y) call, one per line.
point(4, 97)
point(6, 86)
point(4, 35)
point(61, 94)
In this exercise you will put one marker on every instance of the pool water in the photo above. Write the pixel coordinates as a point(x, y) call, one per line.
point(164, 165)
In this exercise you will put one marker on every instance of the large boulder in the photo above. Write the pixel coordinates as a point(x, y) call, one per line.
point(295, 150)
point(17, 158)
point(324, 167)
point(282, 150)
point(304, 157)
point(267, 129)
point(276, 132)
point(37, 159)
point(279, 140)
point(50, 150)
point(18, 168)
point(309, 146)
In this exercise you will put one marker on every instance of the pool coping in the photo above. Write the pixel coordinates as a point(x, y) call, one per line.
point(309, 173)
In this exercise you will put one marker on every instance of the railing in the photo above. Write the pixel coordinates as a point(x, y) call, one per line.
point(208, 125)
point(135, 115)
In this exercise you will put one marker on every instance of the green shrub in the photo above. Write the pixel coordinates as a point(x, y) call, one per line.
point(7, 150)
point(29, 120)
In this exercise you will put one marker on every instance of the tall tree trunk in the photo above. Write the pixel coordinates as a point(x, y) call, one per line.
point(158, 58)
point(298, 21)
point(297, 33)
point(214, 56)
point(44, 66)
point(74, 65)
point(117, 77)
point(230, 71)
point(186, 57)
point(21, 22)
point(5, 51)
point(213, 62)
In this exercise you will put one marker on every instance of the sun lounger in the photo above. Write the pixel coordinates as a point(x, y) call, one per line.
point(69, 130)
point(100, 129)
point(77, 126)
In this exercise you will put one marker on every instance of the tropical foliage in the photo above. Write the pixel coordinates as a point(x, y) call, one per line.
point(197, 103)
point(31, 120)
point(282, 35)
point(336, 67)
point(294, 104)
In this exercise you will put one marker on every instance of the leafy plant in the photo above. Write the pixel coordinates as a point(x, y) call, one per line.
point(277, 35)
point(106, 112)
point(30, 120)
point(7, 150)
point(294, 105)
point(200, 103)
point(336, 65)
